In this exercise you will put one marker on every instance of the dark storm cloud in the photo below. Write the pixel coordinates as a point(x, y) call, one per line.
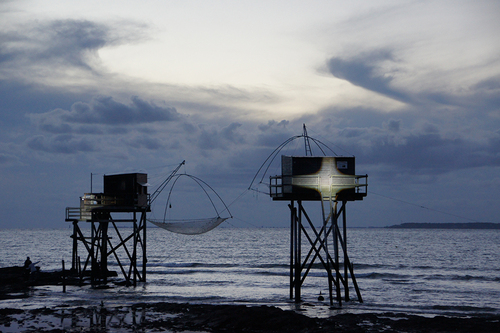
point(60, 128)
point(364, 71)
point(481, 97)
point(208, 140)
point(61, 144)
point(88, 126)
point(61, 42)
point(230, 133)
point(104, 111)
point(393, 125)
point(486, 94)
point(425, 139)
point(419, 150)
point(145, 141)
point(274, 133)
point(211, 138)
point(490, 84)
point(431, 152)
point(271, 123)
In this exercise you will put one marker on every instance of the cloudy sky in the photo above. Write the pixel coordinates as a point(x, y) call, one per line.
point(411, 88)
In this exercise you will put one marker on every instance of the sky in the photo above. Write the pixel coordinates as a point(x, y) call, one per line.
point(410, 88)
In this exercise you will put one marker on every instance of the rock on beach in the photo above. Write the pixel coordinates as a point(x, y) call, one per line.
point(174, 317)
point(184, 317)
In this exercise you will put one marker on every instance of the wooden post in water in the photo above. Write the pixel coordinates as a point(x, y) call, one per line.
point(104, 255)
point(63, 277)
point(75, 244)
point(134, 253)
point(80, 275)
point(93, 260)
point(335, 216)
point(346, 258)
point(144, 257)
point(298, 257)
point(292, 242)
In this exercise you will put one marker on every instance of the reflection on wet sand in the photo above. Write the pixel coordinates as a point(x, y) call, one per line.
point(174, 317)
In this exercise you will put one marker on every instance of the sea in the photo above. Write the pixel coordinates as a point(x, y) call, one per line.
point(418, 271)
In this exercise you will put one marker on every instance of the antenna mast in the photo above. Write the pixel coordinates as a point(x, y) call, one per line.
point(306, 141)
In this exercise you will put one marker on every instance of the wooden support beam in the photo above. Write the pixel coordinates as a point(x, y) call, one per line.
point(99, 246)
point(318, 241)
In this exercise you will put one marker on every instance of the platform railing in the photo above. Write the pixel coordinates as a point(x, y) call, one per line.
point(72, 213)
point(276, 185)
point(361, 184)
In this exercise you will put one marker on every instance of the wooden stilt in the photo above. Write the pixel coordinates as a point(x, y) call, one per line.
point(128, 250)
point(319, 250)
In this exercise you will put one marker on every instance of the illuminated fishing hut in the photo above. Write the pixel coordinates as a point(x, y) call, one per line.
point(332, 181)
point(123, 206)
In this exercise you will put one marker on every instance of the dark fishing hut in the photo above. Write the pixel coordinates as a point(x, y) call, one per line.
point(123, 206)
point(332, 181)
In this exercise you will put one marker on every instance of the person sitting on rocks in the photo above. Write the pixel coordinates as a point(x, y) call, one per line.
point(33, 270)
point(27, 263)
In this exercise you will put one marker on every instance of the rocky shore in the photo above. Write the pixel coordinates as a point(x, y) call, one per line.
point(175, 317)
point(171, 317)
point(15, 281)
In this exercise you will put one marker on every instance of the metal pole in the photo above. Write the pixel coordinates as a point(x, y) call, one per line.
point(80, 275)
point(134, 254)
point(346, 258)
point(298, 259)
point(144, 256)
point(336, 254)
point(92, 257)
point(75, 245)
point(325, 246)
point(63, 277)
point(104, 251)
point(292, 244)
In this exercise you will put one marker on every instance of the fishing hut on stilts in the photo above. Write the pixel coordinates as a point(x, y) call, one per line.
point(124, 195)
point(331, 181)
point(122, 207)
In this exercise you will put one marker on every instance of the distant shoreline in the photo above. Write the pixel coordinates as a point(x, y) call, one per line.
point(469, 225)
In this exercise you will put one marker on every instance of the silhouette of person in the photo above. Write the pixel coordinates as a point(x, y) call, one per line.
point(27, 263)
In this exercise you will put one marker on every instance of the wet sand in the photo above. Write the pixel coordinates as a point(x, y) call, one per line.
point(171, 317)
point(174, 317)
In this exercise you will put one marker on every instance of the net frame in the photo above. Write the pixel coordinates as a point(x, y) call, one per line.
point(192, 226)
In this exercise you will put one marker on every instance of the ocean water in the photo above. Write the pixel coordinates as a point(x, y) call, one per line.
point(425, 272)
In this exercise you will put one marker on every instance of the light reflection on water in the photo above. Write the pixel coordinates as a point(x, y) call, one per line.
point(418, 271)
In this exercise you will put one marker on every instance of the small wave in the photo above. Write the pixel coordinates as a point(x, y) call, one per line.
point(170, 264)
point(377, 275)
point(271, 266)
point(362, 266)
point(464, 308)
point(466, 277)
point(268, 273)
point(173, 272)
point(190, 264)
